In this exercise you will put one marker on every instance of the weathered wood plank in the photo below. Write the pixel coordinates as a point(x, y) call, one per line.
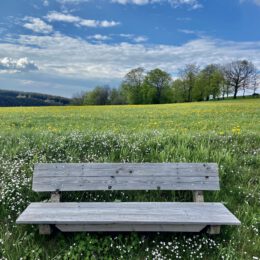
point(198, 196)
point(125, 169)
point(128, 176)
point(128, 213)
point(125, 183)
point(45, 229)
point(55, 197)
point(213, 230)
point(130, 228)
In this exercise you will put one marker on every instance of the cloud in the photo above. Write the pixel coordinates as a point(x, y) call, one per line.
point(193, 4)
point(77, 21)
point(72, 1)
point(139, 39)
point(193, 32)
point(70, 57)
point(99, 37)
point(45, 2)
point(187, 31)
point(137, 2)
point(9, 65)
point(134, 38)
point(68, 65)
point(37, 25)
point(127, 35)
point(256, 2)
point(183, 19)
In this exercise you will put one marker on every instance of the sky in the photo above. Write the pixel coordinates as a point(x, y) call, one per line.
point(63, 47)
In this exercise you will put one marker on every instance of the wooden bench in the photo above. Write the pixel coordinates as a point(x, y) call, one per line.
point(127, 216)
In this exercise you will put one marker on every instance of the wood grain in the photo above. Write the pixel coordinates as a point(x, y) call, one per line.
point(128, 213)
point(129, 176)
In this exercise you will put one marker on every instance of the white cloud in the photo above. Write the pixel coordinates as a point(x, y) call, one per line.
point(127, 35)
point(37, 25)
point(193, 4)
point(72, 1)
point(45, 2)
point(256, 2)
point(137, 2)
point(134, 38)
point(78, 21)
point(65, 56)
point(186, 31)
point(183, 19)
point(9, 65)
point(139, 39)
point(99, 37)
point(192, 32)
point(61, 17)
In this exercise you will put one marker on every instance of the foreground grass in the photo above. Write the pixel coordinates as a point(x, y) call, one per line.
point(223, 132)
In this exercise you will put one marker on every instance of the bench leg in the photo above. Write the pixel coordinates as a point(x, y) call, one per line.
point(198, 196)
point(45, 229)
point(213, 230)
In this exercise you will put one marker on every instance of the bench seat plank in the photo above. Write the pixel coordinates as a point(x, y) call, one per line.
point(132, 214)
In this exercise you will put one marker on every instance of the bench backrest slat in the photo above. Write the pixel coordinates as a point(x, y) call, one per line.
point(125, 176)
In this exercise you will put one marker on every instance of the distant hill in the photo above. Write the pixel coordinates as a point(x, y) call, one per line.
point(9, 98)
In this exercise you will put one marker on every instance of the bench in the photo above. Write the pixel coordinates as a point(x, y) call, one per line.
point(126, 216)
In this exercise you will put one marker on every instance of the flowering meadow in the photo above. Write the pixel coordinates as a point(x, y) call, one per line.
point(226, 132)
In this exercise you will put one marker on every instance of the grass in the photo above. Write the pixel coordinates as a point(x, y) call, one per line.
point(226, 132)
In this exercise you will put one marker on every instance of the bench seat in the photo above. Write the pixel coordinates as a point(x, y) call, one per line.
point(128, 216)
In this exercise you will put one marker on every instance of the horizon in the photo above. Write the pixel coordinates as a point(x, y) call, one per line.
point(63, 47)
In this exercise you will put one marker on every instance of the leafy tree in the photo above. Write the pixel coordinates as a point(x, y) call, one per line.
point(178, 89)
point(208, 83)
point(189, 75)
point(98, 96)
point(157, 86)
point(116, 97)
point(200, 90)
point(132, 86)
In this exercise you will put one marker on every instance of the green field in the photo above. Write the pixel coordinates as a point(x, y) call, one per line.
point(226, 132)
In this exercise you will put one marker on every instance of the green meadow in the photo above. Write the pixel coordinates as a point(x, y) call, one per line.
point(225, 132)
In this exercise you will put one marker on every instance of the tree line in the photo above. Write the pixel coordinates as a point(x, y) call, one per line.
point(10, 98)
point(193, 84)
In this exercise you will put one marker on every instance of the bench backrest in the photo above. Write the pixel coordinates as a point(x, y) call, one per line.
point(125, 176)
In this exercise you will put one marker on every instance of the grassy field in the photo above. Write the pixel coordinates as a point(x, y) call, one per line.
point(226, 132)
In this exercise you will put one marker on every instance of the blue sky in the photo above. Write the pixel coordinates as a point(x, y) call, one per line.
point(66, 46)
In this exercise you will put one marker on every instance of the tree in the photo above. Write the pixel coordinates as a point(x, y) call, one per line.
point(158, 84)
point(208, 83)
point(179, 94)
point(255, 83)
point(239, 74)
point(216, 79)
point(225, 89)
point(200, 90)
point(132, 86)
point(78, 98)
point(188, 75)
point(98, 96)
point(116, 97)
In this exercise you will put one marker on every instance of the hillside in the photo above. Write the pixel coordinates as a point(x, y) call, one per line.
point(9, 98)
